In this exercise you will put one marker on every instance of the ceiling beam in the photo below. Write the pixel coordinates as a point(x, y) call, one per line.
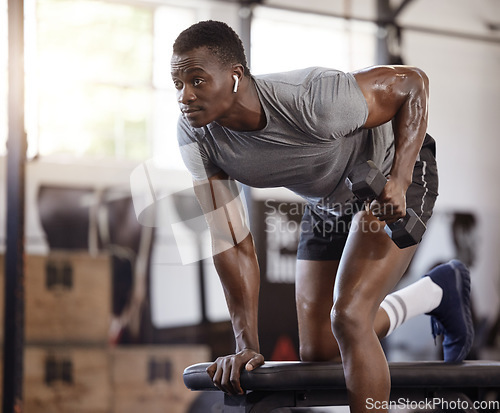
point(409, 27)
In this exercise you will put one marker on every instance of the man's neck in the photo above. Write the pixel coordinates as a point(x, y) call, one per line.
point(247, 113)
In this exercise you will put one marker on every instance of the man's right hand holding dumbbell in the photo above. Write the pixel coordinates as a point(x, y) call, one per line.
point(388, 203)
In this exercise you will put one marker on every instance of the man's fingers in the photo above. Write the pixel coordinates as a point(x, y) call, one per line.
point(211, 370)
point(255, 362)
point(225, 372)
point(386, 212)
point(235, 381)
point(217, 378)
point(226, 377)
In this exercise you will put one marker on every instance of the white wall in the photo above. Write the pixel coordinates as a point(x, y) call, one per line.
point(464, 110)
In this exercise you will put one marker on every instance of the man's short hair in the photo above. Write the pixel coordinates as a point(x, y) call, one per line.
point(218, 37)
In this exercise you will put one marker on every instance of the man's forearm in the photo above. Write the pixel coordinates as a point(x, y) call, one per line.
point(238, 270)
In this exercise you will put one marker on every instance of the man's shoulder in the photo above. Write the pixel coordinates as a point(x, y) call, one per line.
point(299, 77)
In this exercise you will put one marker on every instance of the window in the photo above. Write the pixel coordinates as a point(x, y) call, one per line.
point(98, 78)
point(285, 40)
point(98, 72)
point(93, 78)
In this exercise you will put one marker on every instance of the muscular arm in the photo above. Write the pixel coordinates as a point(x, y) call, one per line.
point(239, 273)
point(236, 263)
point(400, 94)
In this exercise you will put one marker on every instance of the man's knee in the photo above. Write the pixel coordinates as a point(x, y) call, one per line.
point(349, 322)
point(309, 353)
point(319, 351)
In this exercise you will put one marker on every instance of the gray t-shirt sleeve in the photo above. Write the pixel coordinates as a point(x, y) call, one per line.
point(334, 105)
point(193, 153)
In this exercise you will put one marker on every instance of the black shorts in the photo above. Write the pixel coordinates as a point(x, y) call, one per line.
point(324, 237)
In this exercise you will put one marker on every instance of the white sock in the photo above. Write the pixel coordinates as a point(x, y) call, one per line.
point(418, 298)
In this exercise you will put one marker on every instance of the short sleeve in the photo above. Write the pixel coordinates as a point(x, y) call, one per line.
point(193, 153)
point(337, 106)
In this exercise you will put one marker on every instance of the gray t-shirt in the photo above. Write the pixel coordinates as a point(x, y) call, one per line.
point(312, 139)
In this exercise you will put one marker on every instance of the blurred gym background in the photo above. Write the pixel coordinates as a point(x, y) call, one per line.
point(117, 301)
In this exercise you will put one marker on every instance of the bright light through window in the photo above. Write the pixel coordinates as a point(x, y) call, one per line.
point(98, 73)
point(93, 78)
point(285, 40)
point(3, 76)
point(169, 22)
point(98, 78)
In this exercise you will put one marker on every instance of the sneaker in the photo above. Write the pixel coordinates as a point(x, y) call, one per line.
point(453, 318)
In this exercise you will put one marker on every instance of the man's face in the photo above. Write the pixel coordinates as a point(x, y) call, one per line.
point(204, 87)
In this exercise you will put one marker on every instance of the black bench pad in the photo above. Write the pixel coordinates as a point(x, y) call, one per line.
point(275, 376)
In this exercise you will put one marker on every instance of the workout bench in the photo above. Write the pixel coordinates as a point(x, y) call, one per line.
point(466, 386)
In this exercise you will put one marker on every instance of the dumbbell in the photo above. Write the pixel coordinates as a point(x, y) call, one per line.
point(367, 183)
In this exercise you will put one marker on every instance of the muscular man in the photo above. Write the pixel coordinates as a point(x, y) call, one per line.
point(305, 130)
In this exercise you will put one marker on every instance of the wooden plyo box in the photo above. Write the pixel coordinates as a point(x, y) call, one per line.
point(66, 379)
point(67, 298)
point(149, 379)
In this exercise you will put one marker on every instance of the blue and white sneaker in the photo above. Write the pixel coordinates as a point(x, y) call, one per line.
point(453, 317)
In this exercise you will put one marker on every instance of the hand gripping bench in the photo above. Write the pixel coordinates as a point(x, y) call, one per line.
point(466, 386)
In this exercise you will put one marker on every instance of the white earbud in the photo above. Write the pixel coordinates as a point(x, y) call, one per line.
point(236, 82)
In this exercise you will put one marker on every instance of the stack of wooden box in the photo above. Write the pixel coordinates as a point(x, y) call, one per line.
point(68, 364)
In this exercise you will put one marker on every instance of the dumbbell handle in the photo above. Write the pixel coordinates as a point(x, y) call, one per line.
point(405, 231)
